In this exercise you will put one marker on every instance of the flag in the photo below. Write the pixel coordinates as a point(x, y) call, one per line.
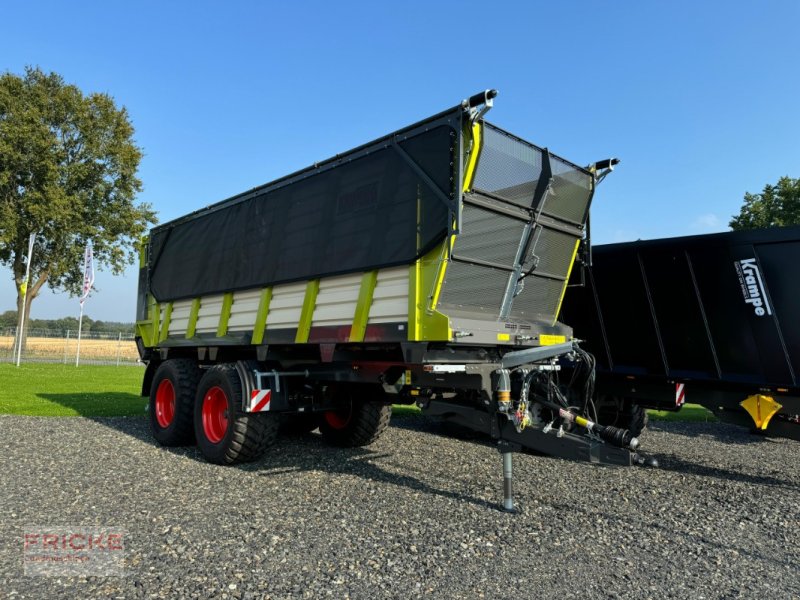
point(88, 272)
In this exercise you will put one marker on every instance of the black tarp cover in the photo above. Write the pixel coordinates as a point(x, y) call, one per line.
point(370, 212)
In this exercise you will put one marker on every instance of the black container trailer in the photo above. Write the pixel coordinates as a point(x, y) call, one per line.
point(427, 266)
point(708, 319)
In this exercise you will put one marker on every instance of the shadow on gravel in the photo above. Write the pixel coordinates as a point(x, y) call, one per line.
point(93, 404)
point(440, 427)
point(642, 524)
point(298, 454)
point(669, 462)
point(309, 453)
point(726, 433)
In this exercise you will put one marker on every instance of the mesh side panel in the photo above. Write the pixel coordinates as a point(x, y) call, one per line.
point(554, 250)
point(511, 168)
point(474, 287)
point(364, 214)
point(570, 193)
point(489, 236)
point(538, 299)
point(508, 167)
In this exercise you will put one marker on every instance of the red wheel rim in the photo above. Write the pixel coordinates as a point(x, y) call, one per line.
point(165, 403)
point(215, 414)
point(338, 419)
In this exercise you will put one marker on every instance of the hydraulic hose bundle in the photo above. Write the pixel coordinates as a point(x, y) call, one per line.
point(539, 382)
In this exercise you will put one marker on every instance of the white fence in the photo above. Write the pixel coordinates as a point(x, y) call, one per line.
point(49, 345)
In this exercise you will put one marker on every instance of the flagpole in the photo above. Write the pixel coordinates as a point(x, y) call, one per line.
point(21, 330)
point(88, 281)
point(80, 326)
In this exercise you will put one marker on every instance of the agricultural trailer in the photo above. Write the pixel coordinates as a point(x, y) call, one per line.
point(709, 319)
point(428, 267)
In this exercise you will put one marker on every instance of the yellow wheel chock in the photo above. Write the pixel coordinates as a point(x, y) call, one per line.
point(761, 408)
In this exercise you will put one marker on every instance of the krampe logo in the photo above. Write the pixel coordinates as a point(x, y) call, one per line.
point(752, 286)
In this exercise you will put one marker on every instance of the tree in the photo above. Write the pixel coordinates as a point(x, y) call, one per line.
point(8, 319)
point(68, 166)
point(777, 206)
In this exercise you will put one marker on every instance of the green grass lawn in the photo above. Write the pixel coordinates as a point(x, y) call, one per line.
point(691, 413)
point(56, 390)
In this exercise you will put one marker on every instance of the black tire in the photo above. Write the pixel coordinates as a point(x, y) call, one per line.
point(175, 384)
point(637, 419)
point(246, 436)
point(362, 422)
point(622, 412)
point(299, 424)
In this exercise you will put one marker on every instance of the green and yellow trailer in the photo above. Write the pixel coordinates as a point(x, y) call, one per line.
point(428, 267)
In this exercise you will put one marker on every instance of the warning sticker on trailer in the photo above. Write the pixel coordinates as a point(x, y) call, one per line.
point(680, 394)
point(259, 400)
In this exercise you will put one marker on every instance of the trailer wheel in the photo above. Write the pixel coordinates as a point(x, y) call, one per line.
point(172, 402)
point(225, 434)
point(363, 420)
point(637, 419)
point(622, 412)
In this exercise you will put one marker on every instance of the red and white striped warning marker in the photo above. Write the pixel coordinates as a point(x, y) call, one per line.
point(259, 400)
point(680, 394)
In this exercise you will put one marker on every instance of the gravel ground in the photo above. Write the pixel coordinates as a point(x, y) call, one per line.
point(415, 514)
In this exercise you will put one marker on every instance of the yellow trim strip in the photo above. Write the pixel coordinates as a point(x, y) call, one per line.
point(414, 306)
point(427, 274)
point(469, 175)
point(425, 323)
point(156, 318)
point(307, 314)
point(225, 314)
point(477, 141)
point(361, 317)
point(437, 286)
point(143, 251)
point(191, 326)
point(566, 281)
point(145, 328)
point(261, 316)
point(165, 324)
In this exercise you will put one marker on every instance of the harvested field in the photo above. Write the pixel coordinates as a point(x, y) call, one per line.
point(56, 349)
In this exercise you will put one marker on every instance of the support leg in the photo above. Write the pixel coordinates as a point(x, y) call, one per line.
point(508, 484)
point(507, 449)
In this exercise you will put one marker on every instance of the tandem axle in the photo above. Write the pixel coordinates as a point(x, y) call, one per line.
point(515, 400)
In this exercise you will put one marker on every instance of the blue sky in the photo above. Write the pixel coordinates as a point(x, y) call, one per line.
point(698, 99)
